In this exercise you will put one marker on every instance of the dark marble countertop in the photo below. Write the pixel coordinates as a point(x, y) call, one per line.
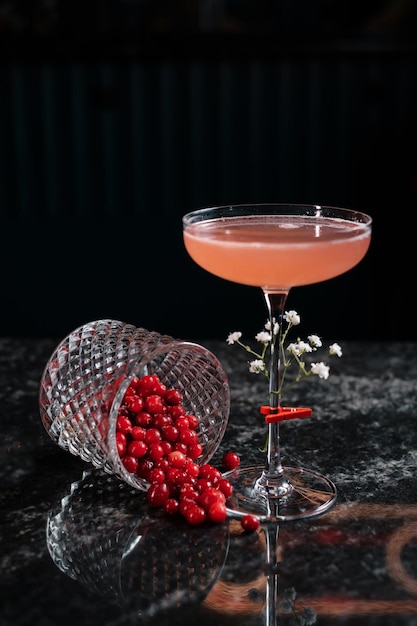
point(81, 547)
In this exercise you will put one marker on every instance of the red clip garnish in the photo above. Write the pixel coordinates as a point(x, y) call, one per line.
point(284, 413)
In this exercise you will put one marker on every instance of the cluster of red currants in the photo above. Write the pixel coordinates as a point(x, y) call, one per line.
point(158, 441)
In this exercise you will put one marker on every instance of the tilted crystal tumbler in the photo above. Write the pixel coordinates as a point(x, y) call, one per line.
point(86, 378)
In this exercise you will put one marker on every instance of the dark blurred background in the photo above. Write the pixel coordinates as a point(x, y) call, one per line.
point(117, 117)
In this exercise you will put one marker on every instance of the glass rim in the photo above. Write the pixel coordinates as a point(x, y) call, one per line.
point(269, 208)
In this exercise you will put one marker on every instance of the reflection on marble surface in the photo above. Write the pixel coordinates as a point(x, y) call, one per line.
point(105, 536)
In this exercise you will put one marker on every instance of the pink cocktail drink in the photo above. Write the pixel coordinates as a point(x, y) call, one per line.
point(277, 251)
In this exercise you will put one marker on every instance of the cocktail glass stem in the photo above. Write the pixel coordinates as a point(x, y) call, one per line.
point(271, 600)
point(272, 483)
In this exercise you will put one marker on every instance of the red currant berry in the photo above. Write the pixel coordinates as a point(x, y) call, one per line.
point(138, 432)
point(206, 470)
point(160, 389)
point(176, 458)
point(209, 496)
point(217, 512)
point(187, 436)
point(145, 465)
point(176, 411)
point(195, 450)
point(158, 494)
point(226, 487)
point(210, 472)
point(149, 383)
point(130, 393)
point(156, 475)
point(182, 422)
point(176, 476)
point(155, 451)
point(231, 460)
point(187, 491)
point(153, 435)
point(202, 484)
point(121, 443)
point(130, 463)
point(160, 420)
point(155, 404)
point(171, 506)
point(249, 523)
point(143, 419)
point(192, 468)
point(173, 397)
point(181, 447)
point(163, 463)
point(135, 385)
point(193, 421)
point(166, 447)
point(134, 404)
point(195, 515)
point(185, 504)
point(170, 433)
point(137, 448)
point(123, 424)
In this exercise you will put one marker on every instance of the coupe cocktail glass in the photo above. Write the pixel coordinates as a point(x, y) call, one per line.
point(277, 247)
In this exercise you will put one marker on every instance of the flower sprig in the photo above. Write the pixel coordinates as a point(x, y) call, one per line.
point(292, 354)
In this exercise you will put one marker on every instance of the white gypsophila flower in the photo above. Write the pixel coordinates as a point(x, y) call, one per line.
point(303, 347)
point(257, 366)
point(293, 349)
point(233, 337)
point(321, 370)
point(275, 329)
point(315, 341)
point(263, 337)
point(335, 349)
point(299, 348)
point(292, 317)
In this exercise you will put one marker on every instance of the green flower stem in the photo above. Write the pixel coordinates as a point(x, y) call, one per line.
point(285, 363)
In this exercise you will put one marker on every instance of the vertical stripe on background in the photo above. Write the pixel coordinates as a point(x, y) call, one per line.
point(233, 132)
point(202, 183)
point(284, 143)
point(315, 137)
point(108, 156)
point(141, 155)
point(20, 150)
point(173, 108)
point(51, 144)
point(6, 199)
point(345, 123)
point(259, 134)
point(80, 148)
